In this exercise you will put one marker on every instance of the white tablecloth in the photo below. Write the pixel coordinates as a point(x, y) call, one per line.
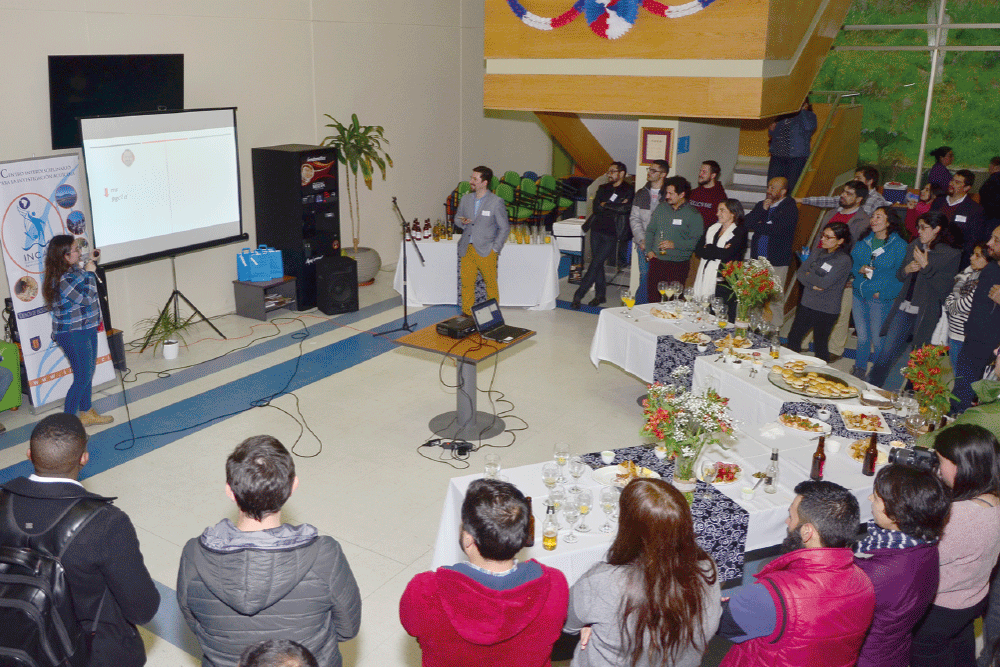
point(767, 511)
point(528, 275)
point(631, 344)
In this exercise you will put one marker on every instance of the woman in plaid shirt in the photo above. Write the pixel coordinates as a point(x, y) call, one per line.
point(71, 294)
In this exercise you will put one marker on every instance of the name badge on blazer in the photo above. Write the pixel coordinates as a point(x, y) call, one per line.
point(486, 213)
point(825, 266)
point(678, 221)
point(960, 218)
point(878, 252)
point(768, 222)
point(614, 197)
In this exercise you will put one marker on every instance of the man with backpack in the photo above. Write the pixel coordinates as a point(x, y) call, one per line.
point(87, 546)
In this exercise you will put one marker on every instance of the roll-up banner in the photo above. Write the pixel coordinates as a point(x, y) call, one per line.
point(39, 199)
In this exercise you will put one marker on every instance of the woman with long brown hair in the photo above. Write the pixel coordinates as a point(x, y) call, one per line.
point(655, 600)
point(71, 294)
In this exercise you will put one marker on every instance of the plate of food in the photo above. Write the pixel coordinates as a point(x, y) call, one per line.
point(857, 451)
point(811, 381)
point(664, 314)
point(863, 419)
point(694, 338)
point(804, 359)
point(728, 473)
point(736, 342)
point(803, 423)
point(622, 474)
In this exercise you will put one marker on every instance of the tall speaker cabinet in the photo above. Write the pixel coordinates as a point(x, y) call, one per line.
point(297, 208)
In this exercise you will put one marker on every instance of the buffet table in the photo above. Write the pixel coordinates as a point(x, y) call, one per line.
point(727, 526)
point(527, 275)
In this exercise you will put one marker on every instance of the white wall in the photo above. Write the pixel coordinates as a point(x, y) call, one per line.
point(713, 140)
point(414, 67)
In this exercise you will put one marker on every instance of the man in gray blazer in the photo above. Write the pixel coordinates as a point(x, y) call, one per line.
point(482, 217)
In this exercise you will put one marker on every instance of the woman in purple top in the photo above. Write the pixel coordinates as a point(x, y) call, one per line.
point(939, 174)
point(899, 554)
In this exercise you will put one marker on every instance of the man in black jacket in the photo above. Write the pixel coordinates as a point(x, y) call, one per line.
point(103, 561)
point(982, 329)
point(773, 222)
point(612, 204)
point(963, 212)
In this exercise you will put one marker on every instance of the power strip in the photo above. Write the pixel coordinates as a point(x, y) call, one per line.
point(460, 447)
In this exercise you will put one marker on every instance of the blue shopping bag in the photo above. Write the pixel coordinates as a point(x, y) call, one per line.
point(260, 267)
point(273, 256)
point(243, 265)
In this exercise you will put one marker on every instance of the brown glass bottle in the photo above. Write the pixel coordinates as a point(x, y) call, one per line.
point(530, 542)
point(819, 460)
point(871, 456)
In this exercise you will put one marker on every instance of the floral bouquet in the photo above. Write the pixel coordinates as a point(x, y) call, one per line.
point(753, 283)
point(929, 371)
point(684, 421)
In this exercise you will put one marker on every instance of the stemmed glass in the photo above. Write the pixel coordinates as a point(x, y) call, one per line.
point(561, 455)
point(492, 466)
point(628, 299)
point(709, 471)
point(721, 312)
point(557, 496)
point(689, 294)
point(576, 469)
point(584, 501)
point(571, 512)
point(609, 501)
point(674, 290)
point(550, 475)
point(661, 287)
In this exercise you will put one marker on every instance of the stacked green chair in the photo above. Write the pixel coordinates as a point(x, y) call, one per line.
point(512, 178)
point(516, 212)
point(558, 193)
point(494, 182)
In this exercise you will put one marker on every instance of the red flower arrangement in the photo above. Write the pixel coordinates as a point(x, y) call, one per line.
point(931, 380)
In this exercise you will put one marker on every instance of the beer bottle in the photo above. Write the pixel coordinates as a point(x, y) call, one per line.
point(550, 529)
point(871, 456)
point(819, 460)
point(530, 542)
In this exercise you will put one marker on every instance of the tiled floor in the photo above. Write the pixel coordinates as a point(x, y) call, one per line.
point(362, 479)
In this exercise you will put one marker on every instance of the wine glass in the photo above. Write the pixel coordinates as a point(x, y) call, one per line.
point(584, 501)
point(721, 312)
point(557, 496)
point(550, 475)
point(492, 466)
point(561, 455)
point(674, 289)
point(576, 469)
point(709, 471)
point(609, 501)
point(571, 512)
point(628, 300)
point(689, 294)
point(661, 287)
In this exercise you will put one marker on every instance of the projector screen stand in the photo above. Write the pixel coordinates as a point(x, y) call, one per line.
point(172, 299)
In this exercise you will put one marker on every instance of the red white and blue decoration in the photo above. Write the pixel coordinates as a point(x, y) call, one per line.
point(609, 19)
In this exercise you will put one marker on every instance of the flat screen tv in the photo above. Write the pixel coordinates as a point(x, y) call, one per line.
point(81, 86)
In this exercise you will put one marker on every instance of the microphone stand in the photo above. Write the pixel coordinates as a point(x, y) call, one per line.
point(406, 326)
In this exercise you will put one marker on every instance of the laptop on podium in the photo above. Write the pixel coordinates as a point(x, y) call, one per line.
point(489, 322)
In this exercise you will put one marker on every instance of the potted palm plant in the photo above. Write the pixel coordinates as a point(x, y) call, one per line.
point(359, 147)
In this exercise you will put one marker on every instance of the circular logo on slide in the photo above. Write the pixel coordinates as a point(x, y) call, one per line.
point(26, 288)
point(65, 195)
point(29, 222)
point(128, 157)
point(76, 222)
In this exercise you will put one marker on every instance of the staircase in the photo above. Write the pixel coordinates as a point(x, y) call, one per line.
point(749, 181)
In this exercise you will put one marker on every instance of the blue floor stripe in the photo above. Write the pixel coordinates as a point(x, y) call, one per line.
point(197, 411)
point(169, 624)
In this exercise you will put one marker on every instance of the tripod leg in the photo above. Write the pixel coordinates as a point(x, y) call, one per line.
point(163, 313)
point(199, 314)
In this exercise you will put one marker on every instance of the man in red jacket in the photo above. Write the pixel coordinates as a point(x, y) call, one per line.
point(813, 605)
point(492, 610)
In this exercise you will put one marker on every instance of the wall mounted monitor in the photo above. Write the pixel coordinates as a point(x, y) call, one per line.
point(105, 85)
point(162, 183)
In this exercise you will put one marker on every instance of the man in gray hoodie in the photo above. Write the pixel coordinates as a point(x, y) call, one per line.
point(261, 579)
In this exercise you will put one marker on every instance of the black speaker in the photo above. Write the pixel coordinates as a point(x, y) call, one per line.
point(337, 285)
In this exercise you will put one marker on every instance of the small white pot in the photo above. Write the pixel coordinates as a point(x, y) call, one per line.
point(171, 348)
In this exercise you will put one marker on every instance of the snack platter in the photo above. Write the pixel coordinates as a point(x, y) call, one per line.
point(621, 474)
point(812, 381)
point(736, 342)
point(804, 424)
point(664, 314)
point(863, 419)
point(694, 338)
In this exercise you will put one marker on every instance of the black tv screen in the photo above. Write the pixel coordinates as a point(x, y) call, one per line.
point(82, 86)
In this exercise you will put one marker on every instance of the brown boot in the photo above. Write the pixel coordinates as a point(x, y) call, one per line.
point(91, 418)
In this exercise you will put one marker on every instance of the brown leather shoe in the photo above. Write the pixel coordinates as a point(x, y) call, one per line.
point(91, 418)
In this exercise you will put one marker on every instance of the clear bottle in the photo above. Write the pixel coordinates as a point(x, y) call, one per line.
point(771, 474)
point(775, 346)
point(550, 529)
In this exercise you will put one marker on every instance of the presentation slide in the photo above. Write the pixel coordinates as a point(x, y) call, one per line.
point(162, 182)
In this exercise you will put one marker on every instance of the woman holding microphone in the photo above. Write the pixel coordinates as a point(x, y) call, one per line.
point(71, 293)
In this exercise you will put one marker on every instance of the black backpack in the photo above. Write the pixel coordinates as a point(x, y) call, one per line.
point(38, 625)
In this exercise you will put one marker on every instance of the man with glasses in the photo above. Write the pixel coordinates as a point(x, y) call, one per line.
point(643, 205)
point(612, 204)
point(963, 212)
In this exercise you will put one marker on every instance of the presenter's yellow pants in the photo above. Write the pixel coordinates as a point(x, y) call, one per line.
point(472, 264)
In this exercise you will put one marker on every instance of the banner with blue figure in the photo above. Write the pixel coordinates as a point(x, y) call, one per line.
point(40, 198)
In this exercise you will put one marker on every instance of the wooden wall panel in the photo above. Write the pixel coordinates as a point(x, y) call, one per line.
point(726, 29)
point(635, 96)
point(587, 152)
